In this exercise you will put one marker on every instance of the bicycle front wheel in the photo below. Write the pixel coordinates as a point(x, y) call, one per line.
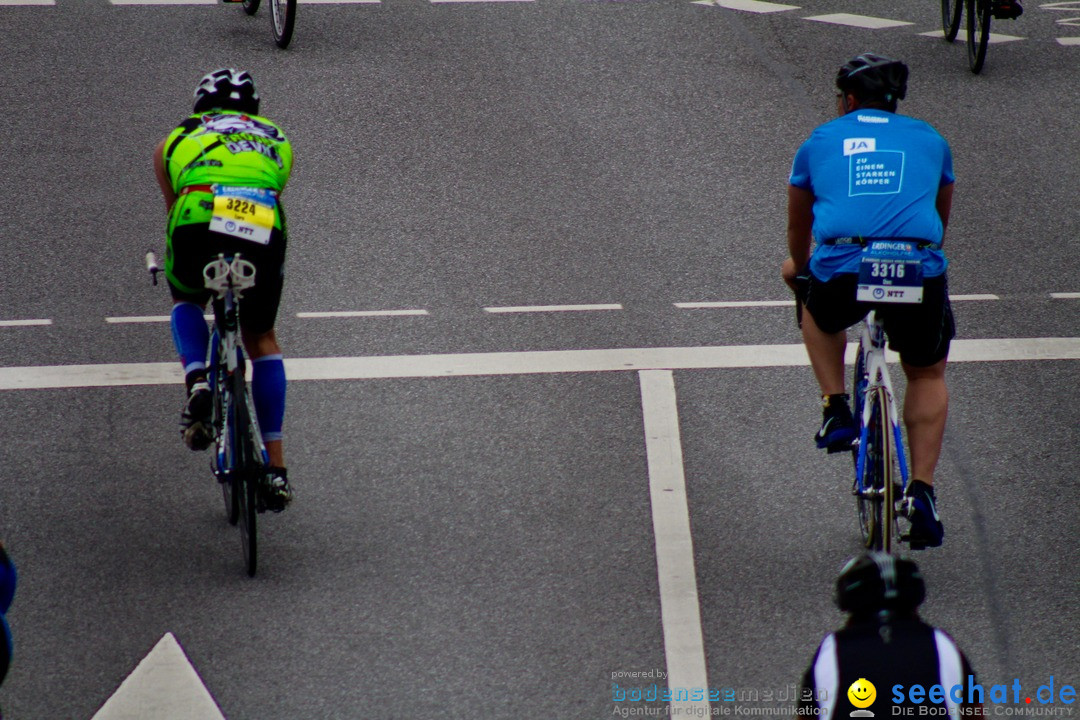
point(950, 18)
point(283, 18)
point(251, 6)
point(978, 32)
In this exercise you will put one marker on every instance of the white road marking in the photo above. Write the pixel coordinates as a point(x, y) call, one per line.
point(361, 313)
point(735, 304)
point(552, 308)
point(164, 2)
point(860, 21)
point(443, 2)
point(976, 297)
point(24, 323)
point(1069, 41)
point(754, 6)
point(680, 610)
point(137, 319)
point(996, 38)
point(519, 363)
point(162, 685)
point(1066, 296)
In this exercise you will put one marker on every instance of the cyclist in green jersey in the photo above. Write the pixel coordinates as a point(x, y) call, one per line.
point(221, 172)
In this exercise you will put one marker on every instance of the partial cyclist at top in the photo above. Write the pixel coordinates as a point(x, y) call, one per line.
point(875, 175)
point(221, 172)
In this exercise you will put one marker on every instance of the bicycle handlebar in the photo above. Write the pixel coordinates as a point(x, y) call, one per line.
point(152, 266)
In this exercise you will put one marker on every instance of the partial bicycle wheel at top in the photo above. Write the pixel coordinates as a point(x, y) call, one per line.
point(283, 20)
point(950, 17)
point(978, 32)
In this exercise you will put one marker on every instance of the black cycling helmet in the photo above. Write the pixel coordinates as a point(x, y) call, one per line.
point(873, 77)
point(227, 89)
point(879, 581)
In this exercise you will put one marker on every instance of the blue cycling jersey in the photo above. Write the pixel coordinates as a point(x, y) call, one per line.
point(874, 174)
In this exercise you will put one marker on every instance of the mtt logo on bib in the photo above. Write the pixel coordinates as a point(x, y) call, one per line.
point(890, 272)
point(872, 171)
point(243, 212)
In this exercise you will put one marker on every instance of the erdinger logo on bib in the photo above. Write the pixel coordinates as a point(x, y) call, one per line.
point(872, 171)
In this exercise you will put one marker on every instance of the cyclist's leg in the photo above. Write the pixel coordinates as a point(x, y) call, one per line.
point(926, 405)
point(922, 335)
point(830, 309)
point(185, 256)
point(258, 314)
point(268, 390)
point(184, 259)
point(826, 351)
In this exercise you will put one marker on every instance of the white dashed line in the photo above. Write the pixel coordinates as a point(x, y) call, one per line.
point(1069, 41)
point(860, 21)
point(139, 319)
point(361, 313)
point(164, 2)
point(23, 323)
point(973, 297)
point(735, 304)
point(552, 308)
point(754, 6)
point(1066, 296)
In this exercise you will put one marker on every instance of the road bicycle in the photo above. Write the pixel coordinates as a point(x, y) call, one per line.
point(239, 461)
point(282, 18)
point(881, 472)
point(979, 13)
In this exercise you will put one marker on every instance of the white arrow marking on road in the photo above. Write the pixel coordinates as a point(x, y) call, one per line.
point(164, 686)
point(754, 6)
point(861, 21)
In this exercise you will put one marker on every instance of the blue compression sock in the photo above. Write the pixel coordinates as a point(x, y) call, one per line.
point(190, 335)
point(268, 392)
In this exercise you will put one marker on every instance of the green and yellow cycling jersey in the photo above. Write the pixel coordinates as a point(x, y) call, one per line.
point(222, 158)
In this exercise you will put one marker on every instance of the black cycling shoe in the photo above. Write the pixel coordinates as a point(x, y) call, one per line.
point(195, 420)
point(1007, 9)
point(838, 429)
point(276, 493)
point(921, 509)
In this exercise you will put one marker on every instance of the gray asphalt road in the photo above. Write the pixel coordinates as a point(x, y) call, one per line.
point(483, 547)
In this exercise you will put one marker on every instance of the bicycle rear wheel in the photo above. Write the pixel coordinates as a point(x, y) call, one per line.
point(978, 32)
point(874, 500)
point(950, 18)
point(282, 19)
point(246, 473)
point(251, 6)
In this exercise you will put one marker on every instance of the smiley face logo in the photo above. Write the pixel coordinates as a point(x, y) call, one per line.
point(862, 693)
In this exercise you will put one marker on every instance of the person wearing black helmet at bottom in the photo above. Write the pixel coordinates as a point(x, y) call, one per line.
point(885, 649)
point(874, 189)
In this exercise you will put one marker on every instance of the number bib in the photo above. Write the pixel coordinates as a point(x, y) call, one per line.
point(243, 212)
point(890, 272)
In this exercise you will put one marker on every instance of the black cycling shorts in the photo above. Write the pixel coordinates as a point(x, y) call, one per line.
point(921, 333)
point(191, 247)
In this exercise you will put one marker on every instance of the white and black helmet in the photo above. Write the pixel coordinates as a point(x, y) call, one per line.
point(227, 89)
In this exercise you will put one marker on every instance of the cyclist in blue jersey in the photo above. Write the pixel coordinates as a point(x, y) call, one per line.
point(874, 175)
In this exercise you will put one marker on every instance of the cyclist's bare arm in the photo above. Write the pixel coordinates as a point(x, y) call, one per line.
point(944, 206)
point(800, 221)
point(163, 176)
